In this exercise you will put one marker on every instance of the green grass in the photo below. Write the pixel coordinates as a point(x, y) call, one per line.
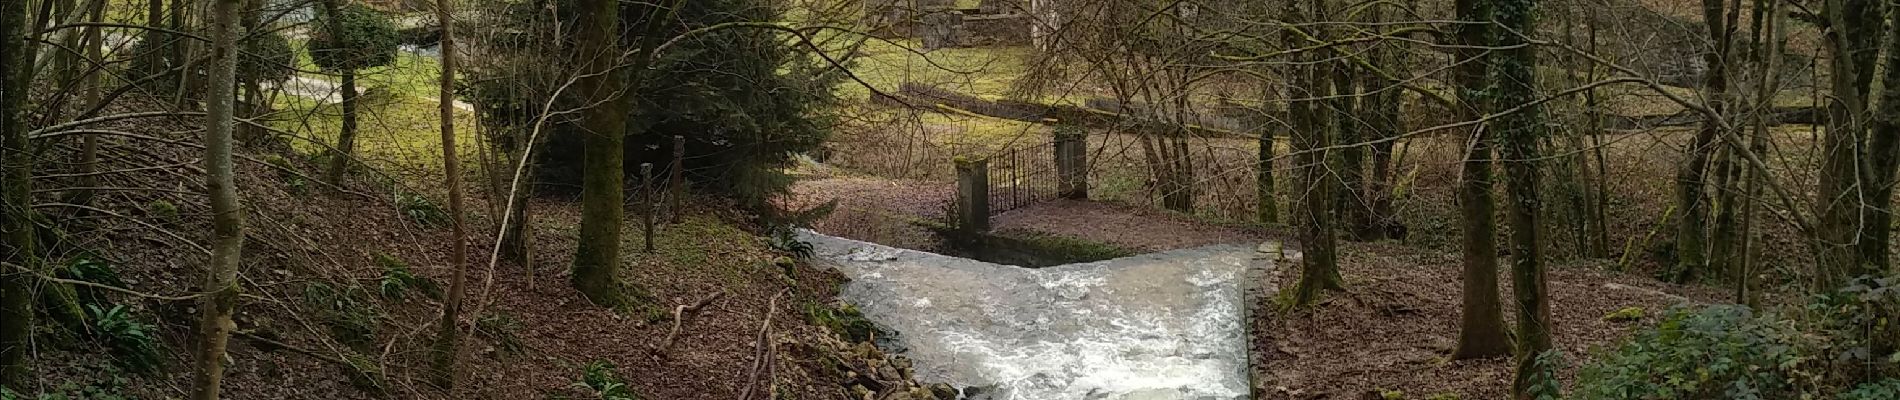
point(399, 134)
point(409, 74)
point(701, 243)
point(982, 72)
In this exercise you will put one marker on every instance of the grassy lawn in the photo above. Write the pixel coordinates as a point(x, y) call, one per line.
point(983, 72)
point(397, 133)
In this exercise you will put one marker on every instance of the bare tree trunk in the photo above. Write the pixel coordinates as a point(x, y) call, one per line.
point(226, 217)
point(1351, 205)
point(154, 58)
point(1600, 244)
point(1481, 327)
point(1691, 190)
point(1883, 156)
point(1384, 113)
point(89, 145)
point(445, 351)
point(341, 158)
point(517, 239)
point(1319, 269)
point(16, 169)
point(1266, 196)
point(180, 50)
point(1853, 43)
point(1722, 20)
point(1767, 57)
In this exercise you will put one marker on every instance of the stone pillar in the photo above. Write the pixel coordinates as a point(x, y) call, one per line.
point(941, 29)
point(973, 195)
point(1072, 166)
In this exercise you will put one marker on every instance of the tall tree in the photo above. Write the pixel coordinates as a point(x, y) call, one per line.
point(597, 258)
point(227, 221)
point(1267, 203)
point(1692, 234)
point(1347, 130)
point(1383, 115)
point(1852, 230)
point(1514, 80)
point(16, 169)
point(446, 340)
point(354, 37)
point(1481, 331)
point(89, 145)
point(1766, 57)
point(1319, 268)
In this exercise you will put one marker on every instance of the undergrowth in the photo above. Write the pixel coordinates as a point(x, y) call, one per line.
point(600, 380)
point(132, 342)
point(1840, 345)
point(844, 320)
point(351, 316)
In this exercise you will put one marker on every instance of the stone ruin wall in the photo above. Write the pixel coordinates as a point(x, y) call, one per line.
point(939, 24)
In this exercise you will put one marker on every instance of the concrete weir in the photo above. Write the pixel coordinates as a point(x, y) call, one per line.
point(1165, 325)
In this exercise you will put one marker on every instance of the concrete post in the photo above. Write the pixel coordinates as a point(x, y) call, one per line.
point(973, 195)
point(1072, 167)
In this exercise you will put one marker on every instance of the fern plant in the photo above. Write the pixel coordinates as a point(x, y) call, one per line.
point(598, 377)
point(131, 341)
point(420, 209)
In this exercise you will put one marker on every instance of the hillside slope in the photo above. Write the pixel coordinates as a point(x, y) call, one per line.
point(341, 289)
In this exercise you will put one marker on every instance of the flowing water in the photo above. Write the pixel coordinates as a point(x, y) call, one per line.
point(1157, 326)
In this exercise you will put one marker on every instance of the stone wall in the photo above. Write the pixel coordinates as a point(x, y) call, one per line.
point(995, 30)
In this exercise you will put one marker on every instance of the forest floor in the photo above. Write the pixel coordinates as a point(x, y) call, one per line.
point(342, 289)
point(1390, 330)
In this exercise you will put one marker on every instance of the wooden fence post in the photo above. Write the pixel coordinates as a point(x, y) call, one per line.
point(646, 186)
point(973, 195)
point(674, 182)
point(1072, 171)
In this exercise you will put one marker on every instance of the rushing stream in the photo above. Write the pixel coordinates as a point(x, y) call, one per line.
point(1157, 326)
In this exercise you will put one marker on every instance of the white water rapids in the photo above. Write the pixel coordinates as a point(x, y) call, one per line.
point(1157, 326)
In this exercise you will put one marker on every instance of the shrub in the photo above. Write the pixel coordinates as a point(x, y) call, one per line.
point(1883, 390)
point(267, 57)
point(367, 39)
point(845, 320)
point(163, 210)
point(1833, 348)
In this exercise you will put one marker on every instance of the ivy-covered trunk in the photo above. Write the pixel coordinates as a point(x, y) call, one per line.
point(1481, 319)
point(1514, 82)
